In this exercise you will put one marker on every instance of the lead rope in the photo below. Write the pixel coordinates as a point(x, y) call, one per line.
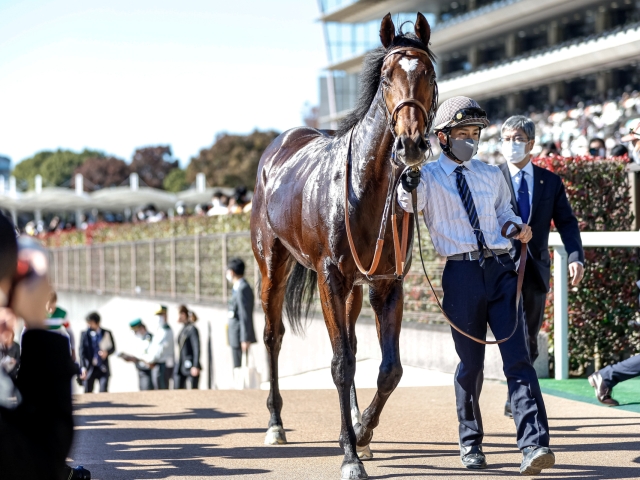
point(521, 267)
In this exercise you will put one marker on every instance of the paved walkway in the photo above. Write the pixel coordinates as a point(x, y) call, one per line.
point(208, 434)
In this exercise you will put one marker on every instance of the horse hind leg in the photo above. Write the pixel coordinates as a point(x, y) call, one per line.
point(274, 265)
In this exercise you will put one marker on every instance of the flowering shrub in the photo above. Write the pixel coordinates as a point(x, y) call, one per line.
point(602, 307)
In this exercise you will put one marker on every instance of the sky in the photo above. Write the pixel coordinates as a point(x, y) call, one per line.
point(123, 74)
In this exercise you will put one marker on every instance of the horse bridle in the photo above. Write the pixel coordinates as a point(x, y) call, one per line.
point(400, 250)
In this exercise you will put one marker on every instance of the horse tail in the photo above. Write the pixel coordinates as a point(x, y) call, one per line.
point(301, 287)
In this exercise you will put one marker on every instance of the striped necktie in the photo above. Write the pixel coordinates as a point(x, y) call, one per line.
point(470, 207)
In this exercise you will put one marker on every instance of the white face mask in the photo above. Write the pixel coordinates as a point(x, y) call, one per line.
point(514, 152)
point(229, 277)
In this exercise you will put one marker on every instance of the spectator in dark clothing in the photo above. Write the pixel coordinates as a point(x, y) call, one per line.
point(548, 149)
point(96, 344)
point(620, 151)
point(241, 332)
point(189, 345)
point(36, 424)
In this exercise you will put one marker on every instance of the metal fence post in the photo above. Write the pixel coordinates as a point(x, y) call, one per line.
point(103, 270)
point(196, 266)
point(224, 267)
point(65, 269)
point(89, 282)
point(76, 270)
point(172, 246)
point(133, 269)
point(560, 313)
point(152, 268)
point(116, 260)
point(56, 266)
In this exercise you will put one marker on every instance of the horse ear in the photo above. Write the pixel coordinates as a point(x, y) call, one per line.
point(422, 28)
point(387, 31)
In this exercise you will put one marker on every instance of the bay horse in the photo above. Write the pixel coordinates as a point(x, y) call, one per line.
point(300, 229)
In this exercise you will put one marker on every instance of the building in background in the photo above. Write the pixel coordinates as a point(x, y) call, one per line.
point(515, 56)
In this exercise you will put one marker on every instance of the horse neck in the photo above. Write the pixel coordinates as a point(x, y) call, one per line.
point(370, 153)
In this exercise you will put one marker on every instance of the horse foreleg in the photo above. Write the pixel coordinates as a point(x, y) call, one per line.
point(387, 306)
point(274, 279)
point(333, 296)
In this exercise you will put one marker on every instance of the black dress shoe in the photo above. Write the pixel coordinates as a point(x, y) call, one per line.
point(507, 409)
point(534, 459)
point(472, 457)
point(603, 393)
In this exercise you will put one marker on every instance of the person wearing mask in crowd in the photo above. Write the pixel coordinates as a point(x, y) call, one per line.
point(219, 204)
point(96, 344)
point(465, 205)
point(241, 332)
point(36, 423)
point(57, 321)
point(141, 351)
point(597, 148)
point(9, 349)
point(632, 139)
point(162, 351)
point(539, 198)
point(189, 351)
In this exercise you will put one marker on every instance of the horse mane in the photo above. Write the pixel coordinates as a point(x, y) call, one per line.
point(370, 78)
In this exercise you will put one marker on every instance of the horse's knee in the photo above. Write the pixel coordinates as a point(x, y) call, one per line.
point(389, 377)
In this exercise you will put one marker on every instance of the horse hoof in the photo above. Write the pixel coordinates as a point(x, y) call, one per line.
point(275, 436)
point(353, 471)
point(364, 453)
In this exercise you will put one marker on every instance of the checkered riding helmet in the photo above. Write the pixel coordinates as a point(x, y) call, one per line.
point(459, 111)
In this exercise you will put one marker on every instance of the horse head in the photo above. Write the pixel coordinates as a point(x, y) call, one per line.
point(410, 93)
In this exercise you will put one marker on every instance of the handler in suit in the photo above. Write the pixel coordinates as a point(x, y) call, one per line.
point(241, 333)
point(538, 197)
point(189, 348)
point(96, 344)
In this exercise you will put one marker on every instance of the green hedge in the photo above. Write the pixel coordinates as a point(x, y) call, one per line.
point(131, 232)
point(603, 306)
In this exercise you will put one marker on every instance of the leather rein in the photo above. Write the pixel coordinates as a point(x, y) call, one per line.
point(401, 248)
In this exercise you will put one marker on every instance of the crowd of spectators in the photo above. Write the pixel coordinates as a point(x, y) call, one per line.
point(571, 131)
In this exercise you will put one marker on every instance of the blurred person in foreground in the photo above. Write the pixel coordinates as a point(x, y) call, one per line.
point(466, 206)
point(241, 332)
point(538, 197)
point(9, 348)
point(188, 367)
point(141, 351)
point(36, 422)
point(96, 345)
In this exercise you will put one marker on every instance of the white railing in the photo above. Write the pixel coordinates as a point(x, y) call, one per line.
point(561, 288)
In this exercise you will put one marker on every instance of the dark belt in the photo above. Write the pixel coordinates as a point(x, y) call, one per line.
point(474, 255)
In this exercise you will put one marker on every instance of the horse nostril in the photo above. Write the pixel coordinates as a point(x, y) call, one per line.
point(422, 144)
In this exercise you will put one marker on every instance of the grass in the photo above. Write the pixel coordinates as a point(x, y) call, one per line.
point(627, 393)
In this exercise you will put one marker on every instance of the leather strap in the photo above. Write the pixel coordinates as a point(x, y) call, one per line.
point(408, 101)
point(521, 267)
point(400, 253)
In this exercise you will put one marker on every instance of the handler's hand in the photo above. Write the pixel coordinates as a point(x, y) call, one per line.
point(525, 233)
point(410, 180)
point(576, 270)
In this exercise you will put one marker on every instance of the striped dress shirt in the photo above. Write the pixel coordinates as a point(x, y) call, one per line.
point(445, 215)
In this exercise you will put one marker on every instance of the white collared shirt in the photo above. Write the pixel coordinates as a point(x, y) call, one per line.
point(445, 215)
point(516, 179)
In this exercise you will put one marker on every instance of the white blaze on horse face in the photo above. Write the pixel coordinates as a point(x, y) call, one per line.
point(408, 65)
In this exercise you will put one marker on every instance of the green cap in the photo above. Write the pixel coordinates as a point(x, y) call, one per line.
point(135, 323)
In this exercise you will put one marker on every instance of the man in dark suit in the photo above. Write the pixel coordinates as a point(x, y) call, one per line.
point(538, 197)
point(241, 333)
point(188, 366)
point(96, 344)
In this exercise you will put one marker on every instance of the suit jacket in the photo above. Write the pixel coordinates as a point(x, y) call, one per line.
point(549, 203)
point(87, 353)
point(189, 346)
point(241, 315)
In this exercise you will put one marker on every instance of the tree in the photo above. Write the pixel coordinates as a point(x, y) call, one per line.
point(102, 172)
point(56, 167)
point(175, 181)
point(153, 164)
point(232, 160)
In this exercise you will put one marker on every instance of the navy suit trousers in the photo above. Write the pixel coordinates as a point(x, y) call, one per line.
point(473, 298)
point(619, 372)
